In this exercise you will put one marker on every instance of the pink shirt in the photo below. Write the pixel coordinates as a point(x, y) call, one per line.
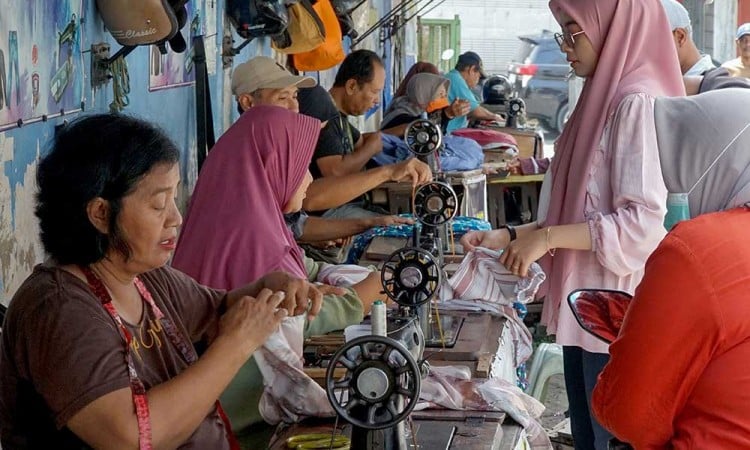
point(625, 207)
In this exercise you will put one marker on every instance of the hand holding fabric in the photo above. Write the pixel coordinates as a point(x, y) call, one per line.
point(493, 239)
point(300, 294)
point(250, 321)
point(519, 254)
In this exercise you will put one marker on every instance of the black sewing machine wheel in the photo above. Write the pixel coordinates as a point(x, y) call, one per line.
point(380, 386)
point(435, 203)
point(410, 277)
point(423, 137)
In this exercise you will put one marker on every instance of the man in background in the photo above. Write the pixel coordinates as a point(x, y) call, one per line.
point(467, 74)
point(740, 67)
point(692, 62)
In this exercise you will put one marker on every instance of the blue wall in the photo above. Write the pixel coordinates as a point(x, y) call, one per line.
point(20, 148)
point(172, 109)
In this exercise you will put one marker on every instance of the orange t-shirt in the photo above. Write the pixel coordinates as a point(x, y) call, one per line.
point(679, 373)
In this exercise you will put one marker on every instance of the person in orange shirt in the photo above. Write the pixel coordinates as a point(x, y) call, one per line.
point(677, 374)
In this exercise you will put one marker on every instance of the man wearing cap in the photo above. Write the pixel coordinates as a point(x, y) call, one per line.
point(463, 78)
point(691, 60)
point(263, 81)
point(740, 67)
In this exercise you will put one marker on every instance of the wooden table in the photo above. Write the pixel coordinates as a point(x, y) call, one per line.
point(476, 347)
point(530, 186)
point(470, 430)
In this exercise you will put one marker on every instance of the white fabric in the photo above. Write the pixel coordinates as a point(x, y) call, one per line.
point(452, 388)
point(289, 394)
point(504, 363)
point(342, 274)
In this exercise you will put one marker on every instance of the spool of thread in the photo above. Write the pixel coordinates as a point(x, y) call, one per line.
point(377, 319)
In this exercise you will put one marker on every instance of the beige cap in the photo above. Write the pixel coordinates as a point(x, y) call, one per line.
point(263, 72)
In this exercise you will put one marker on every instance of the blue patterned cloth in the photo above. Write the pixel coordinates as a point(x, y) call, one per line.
point(461, 225)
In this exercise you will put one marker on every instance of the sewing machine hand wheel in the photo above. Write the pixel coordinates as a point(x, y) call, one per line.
point(516, 107)
point(423, 137)
point(381, 384)
point(435, 203)
point(410, 277)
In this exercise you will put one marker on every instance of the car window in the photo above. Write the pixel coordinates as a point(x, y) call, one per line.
point(547, 55)
point(524, 50)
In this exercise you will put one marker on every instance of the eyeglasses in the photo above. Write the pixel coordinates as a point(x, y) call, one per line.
point(567, 38)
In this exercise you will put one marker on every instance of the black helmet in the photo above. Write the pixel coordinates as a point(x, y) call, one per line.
point(496, 90)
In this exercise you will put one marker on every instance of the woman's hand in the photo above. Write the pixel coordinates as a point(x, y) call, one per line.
point(514, 166)
point(249, 321)
point(493, 239)
point(519, 254)
point(458, 108)
point(327, 289)
point(299, 294)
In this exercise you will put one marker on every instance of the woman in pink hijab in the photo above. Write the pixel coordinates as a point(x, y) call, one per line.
point(603, 200)
point(235, 231)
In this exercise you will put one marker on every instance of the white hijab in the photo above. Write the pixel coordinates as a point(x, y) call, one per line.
point(692, 132)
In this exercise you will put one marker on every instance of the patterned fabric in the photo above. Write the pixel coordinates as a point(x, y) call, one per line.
point(459, 225)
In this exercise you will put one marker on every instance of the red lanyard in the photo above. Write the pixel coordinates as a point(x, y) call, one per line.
point(140, 400)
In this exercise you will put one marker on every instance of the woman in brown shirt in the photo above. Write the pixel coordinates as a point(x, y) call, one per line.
point(97, 347)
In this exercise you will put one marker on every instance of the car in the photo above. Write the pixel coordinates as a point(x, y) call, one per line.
point(539, 75)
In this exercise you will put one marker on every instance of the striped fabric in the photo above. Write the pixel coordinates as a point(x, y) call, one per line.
point(482, 280)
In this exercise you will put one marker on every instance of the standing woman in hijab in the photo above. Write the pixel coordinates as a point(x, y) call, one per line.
point(603, 201)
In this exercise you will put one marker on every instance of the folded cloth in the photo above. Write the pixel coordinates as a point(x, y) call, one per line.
point(452, 388)
point(482, 278)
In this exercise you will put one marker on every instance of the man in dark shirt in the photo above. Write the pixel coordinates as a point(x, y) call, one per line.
point(341, 157)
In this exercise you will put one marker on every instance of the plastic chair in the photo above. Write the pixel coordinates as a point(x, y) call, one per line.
point(547, 362)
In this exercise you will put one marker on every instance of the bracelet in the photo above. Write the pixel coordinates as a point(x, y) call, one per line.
point(550, 251)
point(511, 231)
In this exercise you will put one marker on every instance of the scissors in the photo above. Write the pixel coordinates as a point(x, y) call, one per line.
point(313, 441)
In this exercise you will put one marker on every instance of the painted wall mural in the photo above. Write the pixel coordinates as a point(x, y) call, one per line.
point(176, 69)
point(41, 68)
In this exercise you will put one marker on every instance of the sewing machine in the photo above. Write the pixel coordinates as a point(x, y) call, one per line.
point(381, 381)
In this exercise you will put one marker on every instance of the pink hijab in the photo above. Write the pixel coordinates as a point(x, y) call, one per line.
point(636, 55)
point(234, 231)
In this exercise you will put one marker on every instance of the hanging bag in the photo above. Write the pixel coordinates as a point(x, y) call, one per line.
point(145, 22)
point(305, 31)
point(257, 18)
point(331, 52)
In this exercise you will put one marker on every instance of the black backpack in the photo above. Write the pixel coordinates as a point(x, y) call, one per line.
point(257, 18)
